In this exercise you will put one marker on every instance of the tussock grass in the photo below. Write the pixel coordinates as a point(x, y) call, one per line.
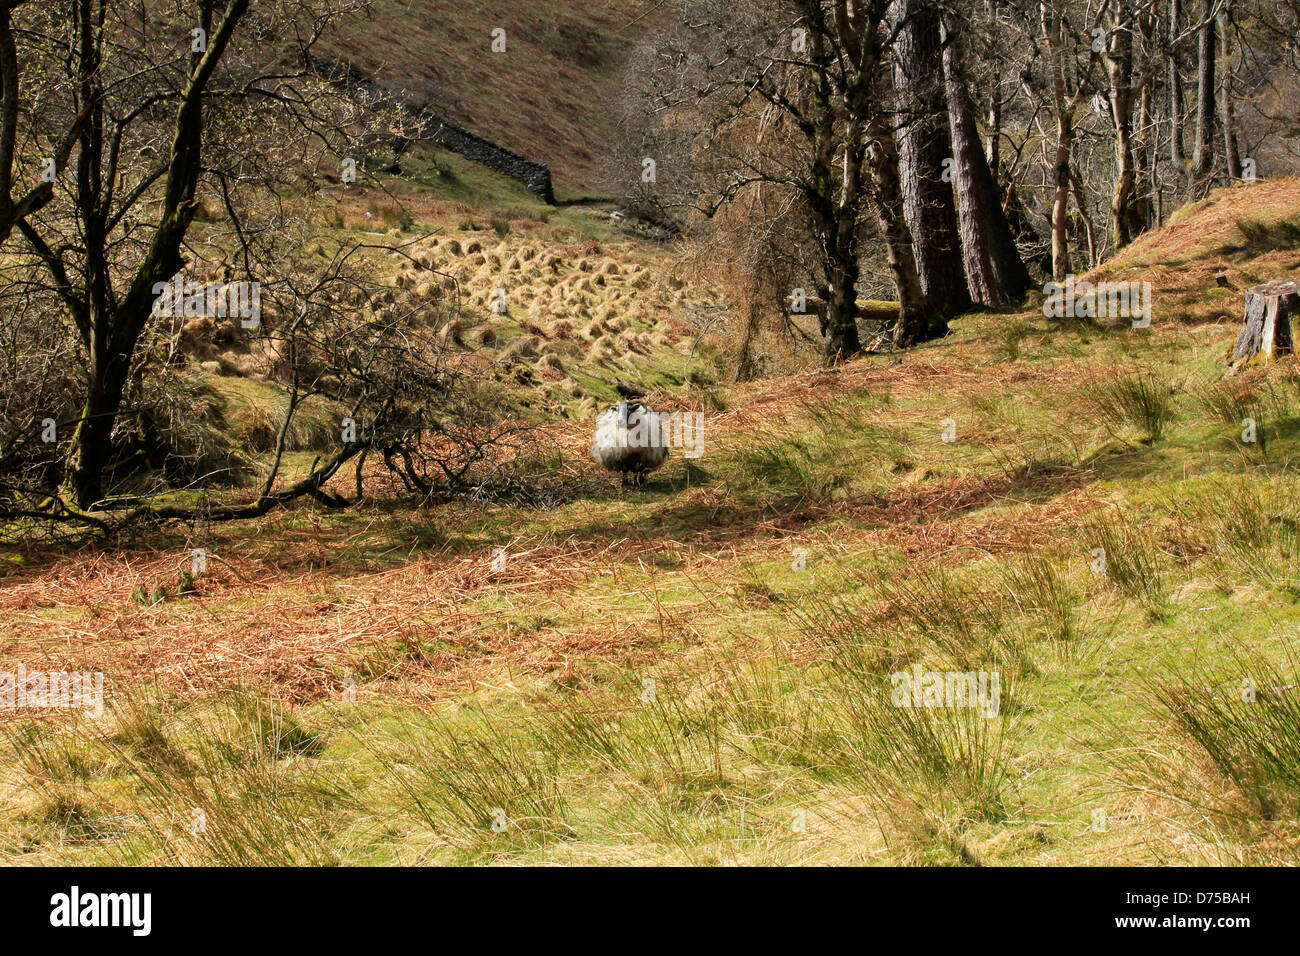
point(1132, 407)
point(477, 782)
point(1234, 399)
point(1009, 336)
point(1258, 408)
point(226, 784)
point(1042, 591)
point(819, 455)
point(840, 626)
point(1248, 530)
point(931, 771)
point(1122, 552)
point(1259, 236)
point(253, 414)
point(1232, 761)
point(956, 616)
point(696, 767)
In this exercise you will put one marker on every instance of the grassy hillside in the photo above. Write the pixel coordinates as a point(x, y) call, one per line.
point(548, 96)
point(700, 671)
point(583, 300)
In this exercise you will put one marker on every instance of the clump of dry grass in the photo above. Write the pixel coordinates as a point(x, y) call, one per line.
point(1040, 589)
point(1121, 551)
point(230, 783)
point(1249, 530)
point(520, 348)
point(1229, 766)
point(1137, 405)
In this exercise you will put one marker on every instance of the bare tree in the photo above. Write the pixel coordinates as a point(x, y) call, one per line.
point(244, 127)
point(795, 95)
point(1070, 83)
point(1126, 217)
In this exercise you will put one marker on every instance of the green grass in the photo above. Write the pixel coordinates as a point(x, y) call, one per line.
point(1134, 406)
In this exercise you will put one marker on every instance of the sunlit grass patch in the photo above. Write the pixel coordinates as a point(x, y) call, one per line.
point(1122, 553)
point(231, 782)
point(1132, 408)
point(1231, 766)
point(1247, 529)
point(818, 456)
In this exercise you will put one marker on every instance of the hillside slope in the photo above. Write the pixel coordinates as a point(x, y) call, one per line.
point(702, 670)
point(548, 96)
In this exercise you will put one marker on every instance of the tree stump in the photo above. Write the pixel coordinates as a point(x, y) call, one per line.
point(1266, 328)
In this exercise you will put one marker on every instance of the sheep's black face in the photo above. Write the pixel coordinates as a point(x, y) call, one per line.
point(629, 414)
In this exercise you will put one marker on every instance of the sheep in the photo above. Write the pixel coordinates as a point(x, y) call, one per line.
point(629, 439)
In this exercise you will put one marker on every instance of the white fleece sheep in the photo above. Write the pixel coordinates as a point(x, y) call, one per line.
point(630, 439)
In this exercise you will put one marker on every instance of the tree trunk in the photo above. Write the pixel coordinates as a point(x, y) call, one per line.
point(745, 360)
point(1062, 106)
point(841, 332)
point(1267, 325)
point(923, 146)
point(1061, 198)
point(835, 213)
point(1081, 201)
point(92, 440)
point(1203, 152)
point(994, 270)
point(1231, 151)
point(1125, 217)
point(1142, 164)
point(993, 148)
point(113, 325)
point(913, 315)
point(1176, 154)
